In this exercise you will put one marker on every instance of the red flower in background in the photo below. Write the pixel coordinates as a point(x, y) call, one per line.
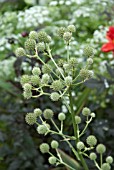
point(109, 46)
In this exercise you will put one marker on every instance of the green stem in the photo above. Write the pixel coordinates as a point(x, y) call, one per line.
point(49, 52)
point(76, 130)
point(101, 159)
point(68, 52)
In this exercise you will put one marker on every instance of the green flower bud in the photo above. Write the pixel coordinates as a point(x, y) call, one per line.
point(84, 73)
point(27, 87)
point(71, 28)
point(100, 148)
point(93, 115)
point(37, 112)
point(30, 44)
point(57, 85)
point(30, 118)
point(45, 79)
point(48, 113)
point(93, 156)
point(20, 52)
point(73, 62)
point(41, 46)
point(61, 116)
point(91, 140)
point(54, 144)
point(36, 71)
point(44, 148)
point(25, 79)
point(48, 39)
point(42, 37)
point(33, 35)
point(27, 94)
point(90, 74)
point(61, 62)
point(35, 80)
point(46, 69)
point(80, 145)
point(105, 166)
point(67, 36)
point(109, 159)
point(42, 129)
point(55, 96)
point(68, 80)
point(88, 51)
point(52, 160)
point(61, 31)
point(77, 119)
point(67, 68)
point(90, 61)
point(86, 111)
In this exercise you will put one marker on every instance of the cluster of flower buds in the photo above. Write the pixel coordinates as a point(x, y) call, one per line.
point(56, 79)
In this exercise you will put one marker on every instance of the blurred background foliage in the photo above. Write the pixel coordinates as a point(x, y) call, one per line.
point(18, 142)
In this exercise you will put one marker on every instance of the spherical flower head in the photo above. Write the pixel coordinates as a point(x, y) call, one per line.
point(43, 37)
point(52, 160)
point(88, 51)
point(91, 140)
point(73, 62)
point(42, 129)
point(100, 148)
point(90, 74)
point(92, 115)
point(54, 144)
point(57, 85)
point(89, 61)
point(93, 156)
point(80, 145)
point(44, 148)
point(61, 116)
point(27, 94)
point(71, 28)
point(35, 80)
point(86, 111)
point(27, 87)
point(37, 112)
point(55, 96)
point(68, 80)
point(60, 62)
point(41, 46)
point(48, 113)
point(77, 119)
point(84, 74)
point(33, 35)
point(67, 67)
point(46, 69)
point(25, 79)
point(105, 166)
point(61, 31)
point(30, 44)
point(45, 78)
point(36, 71)
point(67, 36)
point(20, 52)
point(109, 159)
point(30, 118)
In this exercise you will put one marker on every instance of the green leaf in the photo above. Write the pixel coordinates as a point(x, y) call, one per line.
point(81, 100)
point(69, 160)
point(7, 87)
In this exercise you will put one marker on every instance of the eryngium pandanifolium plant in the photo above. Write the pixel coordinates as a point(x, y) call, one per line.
point(60, 77)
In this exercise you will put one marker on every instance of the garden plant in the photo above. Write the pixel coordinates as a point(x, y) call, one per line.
point(57, 79)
